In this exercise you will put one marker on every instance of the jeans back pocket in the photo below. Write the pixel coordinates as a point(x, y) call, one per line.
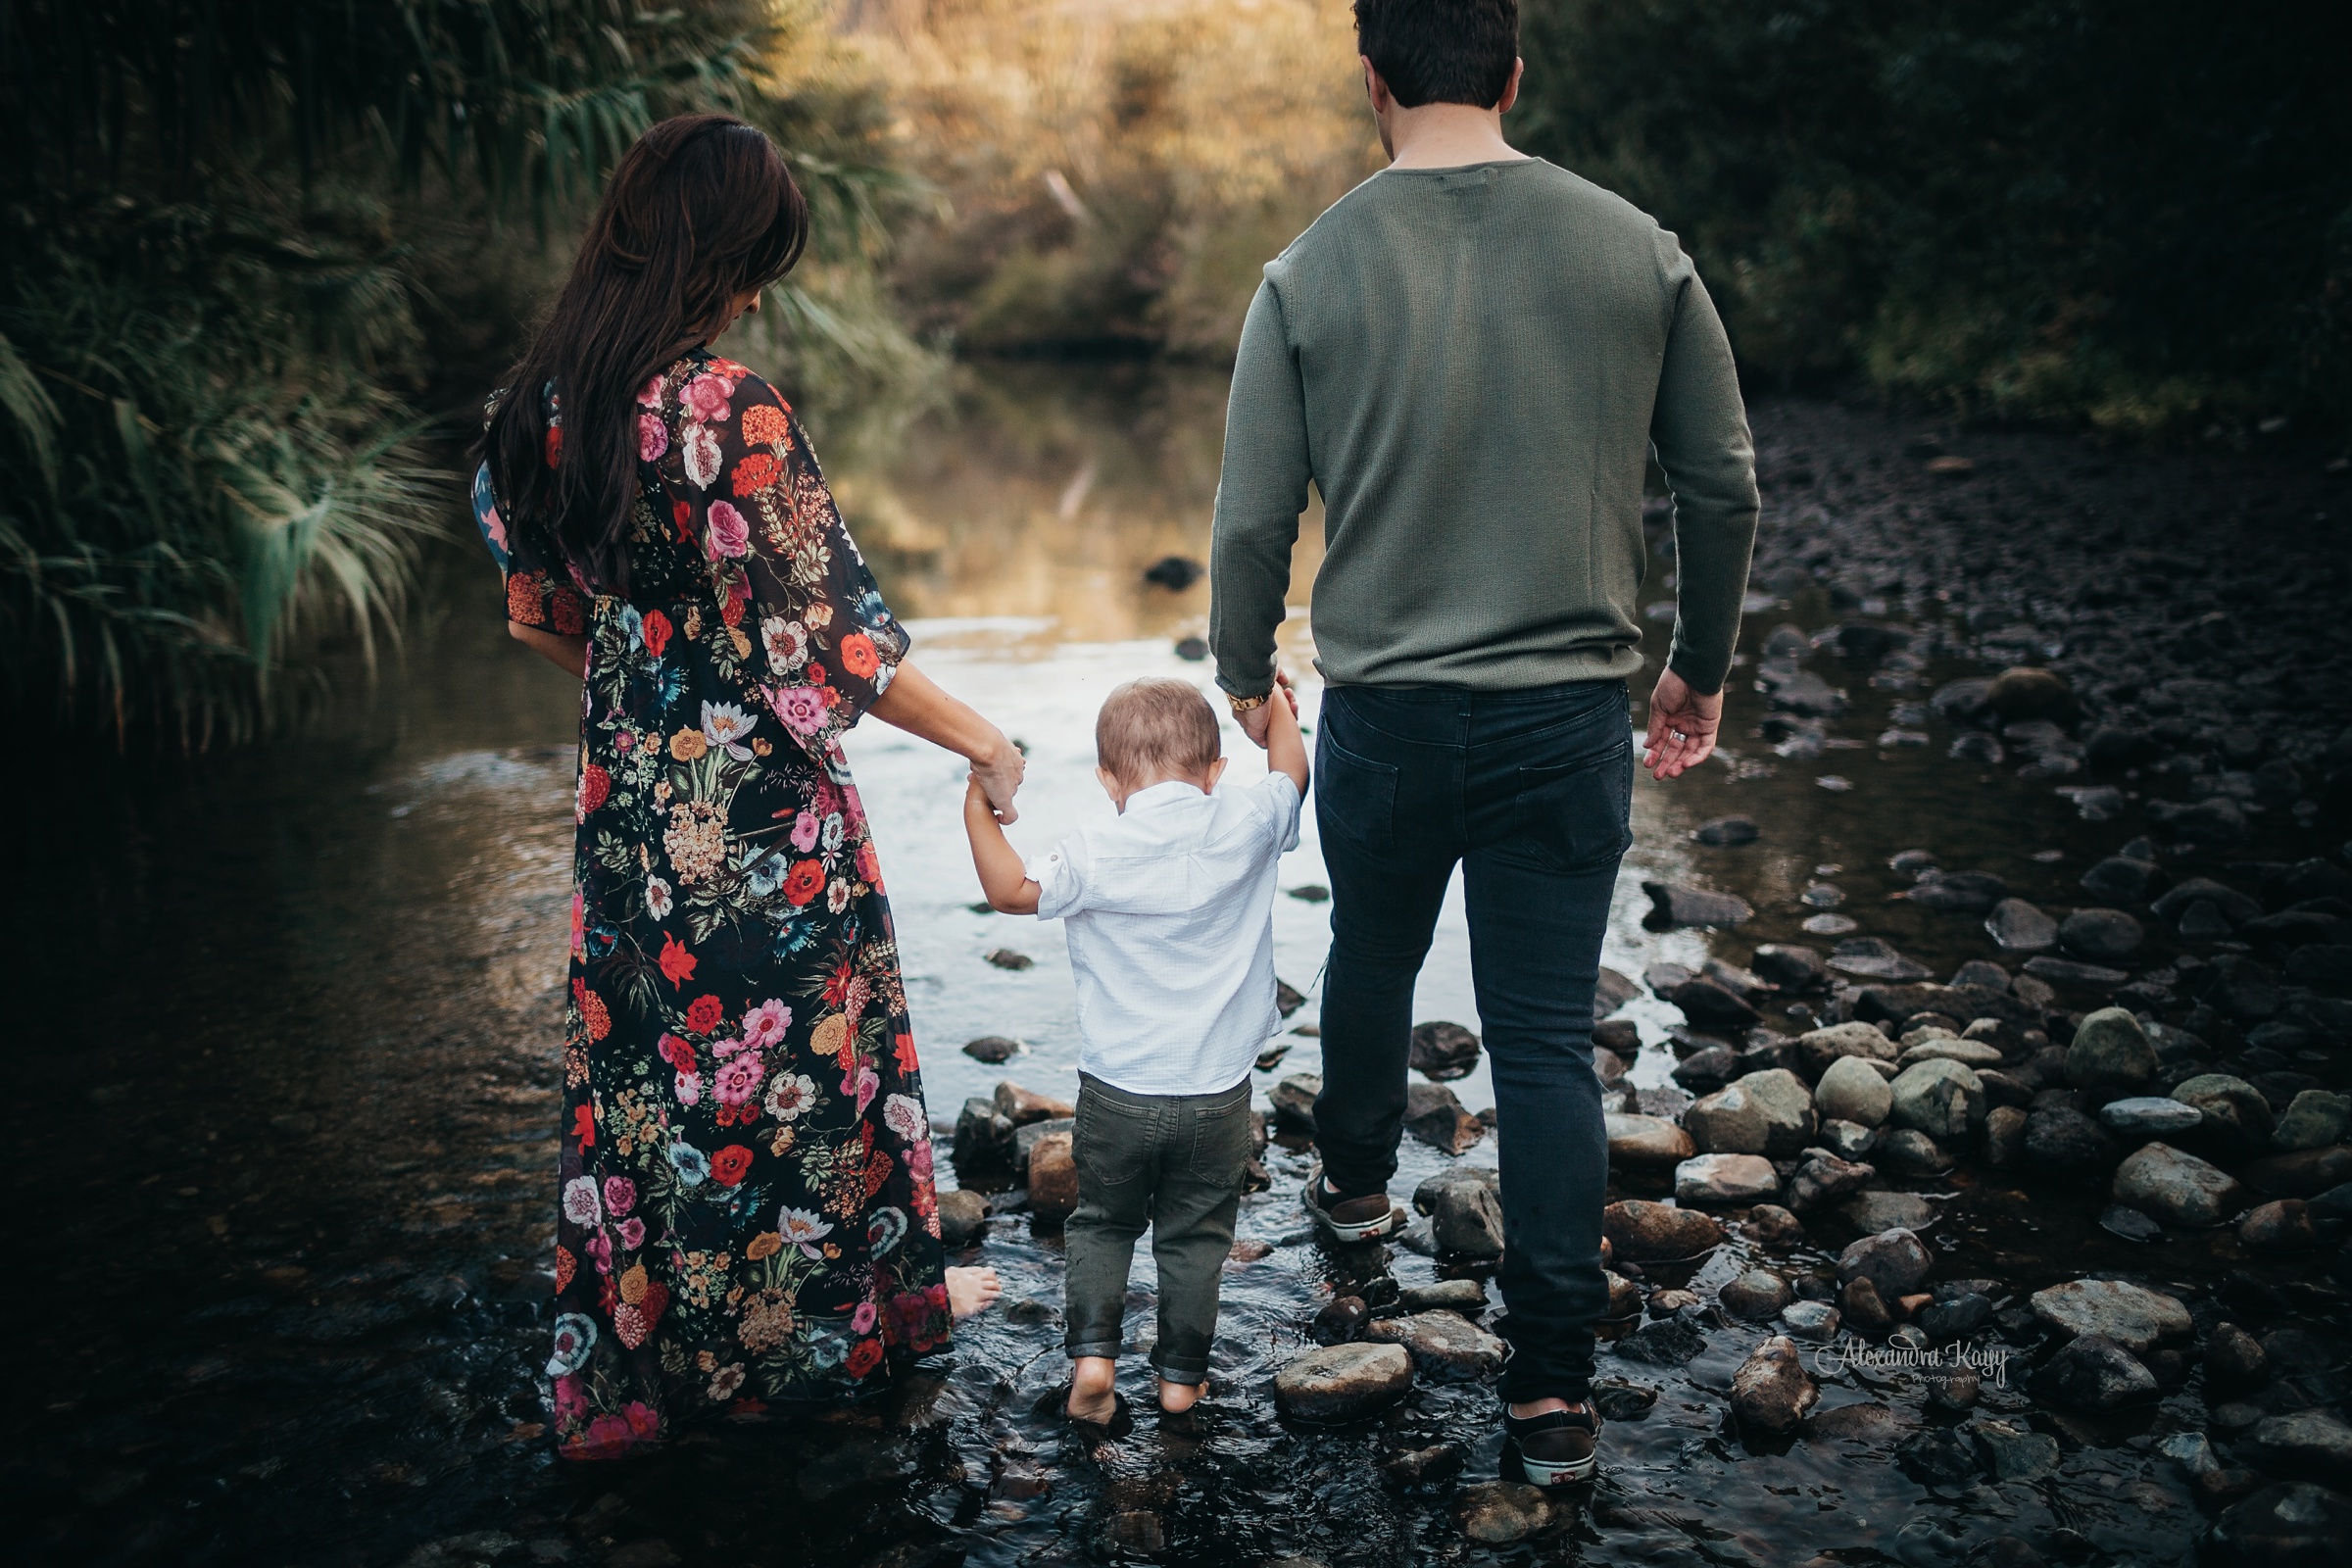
point(1578, 816)
point(1355, 798)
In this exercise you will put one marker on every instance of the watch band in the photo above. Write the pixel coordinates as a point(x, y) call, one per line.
point(1243, 704)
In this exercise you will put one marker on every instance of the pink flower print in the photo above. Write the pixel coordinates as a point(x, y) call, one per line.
point(738, 1079)
point(726, 1047)
point(690, 1089)
point(855, 995)
point(804, 832)
point(649, 396)
point(495, 527)
point(653, 437)
point(870, 1084)
point(706, 397)
point(903, 1115)
point(620, 1196)
point(918, 1159)
point(861, 1321)
point(801, 709)
point(599, 1251)
point(730, 535)
point(632, 1233)
point(765, 1024)
point(701, 456)
point(579, 1201)
point(571, 1397)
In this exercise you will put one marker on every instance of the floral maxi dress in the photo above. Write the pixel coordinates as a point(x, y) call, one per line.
point(747, 1211)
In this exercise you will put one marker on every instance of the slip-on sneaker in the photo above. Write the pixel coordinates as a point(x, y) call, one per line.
point(1557, 1449)
point(1348, 1220)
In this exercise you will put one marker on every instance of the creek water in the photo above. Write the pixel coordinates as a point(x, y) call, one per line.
point(287, 1047)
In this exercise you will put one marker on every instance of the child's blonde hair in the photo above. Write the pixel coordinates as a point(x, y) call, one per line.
point(1156, 725)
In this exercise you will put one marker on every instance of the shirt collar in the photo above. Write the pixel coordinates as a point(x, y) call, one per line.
point(1167, 792)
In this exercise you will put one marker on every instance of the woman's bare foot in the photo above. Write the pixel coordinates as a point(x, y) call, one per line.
point(1090, 1396)
point(972, 1290)
point(1178, 1398)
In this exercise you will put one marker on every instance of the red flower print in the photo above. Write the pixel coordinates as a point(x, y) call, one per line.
point(732, 610)
point(754, 473)
point(554, 444)
point(677, 1052)
point(595, 787)
point(905, 1056)
point(858, 655)
point(730, 1164)
point(864, 1357)
point(522, 598)
point(681, 517)
point(593, 1015)
point(572, 619)
point(703, 1013)
point(765, 422)
point(583, 1125)
point(677, 963)
point(837, 984)
point(657, 1298)
point(567, 1266)
point(805, 881)
point(656, 632)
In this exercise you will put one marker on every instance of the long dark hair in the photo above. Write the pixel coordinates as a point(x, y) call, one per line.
point(699, 211)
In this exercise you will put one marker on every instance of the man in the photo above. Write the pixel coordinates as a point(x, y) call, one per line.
point(1472, 356)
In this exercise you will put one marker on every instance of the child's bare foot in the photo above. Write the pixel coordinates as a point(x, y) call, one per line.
point(1090, 1396)
point(1178, 1398)
point(972, 1290)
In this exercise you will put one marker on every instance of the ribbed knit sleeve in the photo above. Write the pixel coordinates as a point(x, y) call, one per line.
point(1699, 431)
point(1259, 498)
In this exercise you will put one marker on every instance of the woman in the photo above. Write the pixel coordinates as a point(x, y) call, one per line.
point(747, 1213)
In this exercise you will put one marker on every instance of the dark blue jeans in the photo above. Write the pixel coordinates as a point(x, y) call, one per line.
point(1529, 791)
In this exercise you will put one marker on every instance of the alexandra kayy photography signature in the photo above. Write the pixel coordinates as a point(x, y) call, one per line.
point(1989, 1362)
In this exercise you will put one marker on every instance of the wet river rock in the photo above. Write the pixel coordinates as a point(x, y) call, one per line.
point(1817, 1049)
point(1644, 1232)
point(962, 1216)
point(2281, 1226)
point(1771, 1392)
point(2292, 1524)
point(1466, 1218)
point(1052, 1178)
point(2100, 936)
point(1339, 1383)
point(1501, 1512)
point(2017, 926)
point(2313, 1444)
point(1673, 903)
point(2131, 1315)
point(2110, 1055)
point(1940, 1098)
point(2059, 1138)
point(2177, 1188)
point(1442, 1051)
point(1726, 1179)
point(1822, 1176)
point(1446, 1346)
point(1646, 1143)
point(1852, 1090)
point(1293, 1099)
point(1757, 1296)
point(1894, 1261)
point(1433, 1115)
point(2234, 1119)
point(2093, 1373)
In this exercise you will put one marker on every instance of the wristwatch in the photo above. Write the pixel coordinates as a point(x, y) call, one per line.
point(1243, 704)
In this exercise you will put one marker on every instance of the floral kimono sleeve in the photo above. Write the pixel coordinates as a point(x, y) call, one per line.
point(756, 502)
point(539, 593)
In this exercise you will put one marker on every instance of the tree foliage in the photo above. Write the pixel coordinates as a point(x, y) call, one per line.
point(239, 239)
point(2134, 213)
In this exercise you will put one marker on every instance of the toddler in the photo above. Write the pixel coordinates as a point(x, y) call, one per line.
point(1170, 917)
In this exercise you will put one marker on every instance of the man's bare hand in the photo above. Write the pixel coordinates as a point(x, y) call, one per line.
point(1682, 727)
point(1254, 720)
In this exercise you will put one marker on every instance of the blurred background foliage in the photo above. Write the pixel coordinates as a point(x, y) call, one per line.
point(2133, 214)
point(260, 259)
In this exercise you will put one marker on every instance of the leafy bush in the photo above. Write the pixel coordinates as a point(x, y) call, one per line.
point(2135, 215)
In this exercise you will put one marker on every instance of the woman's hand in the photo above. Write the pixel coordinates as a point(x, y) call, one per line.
point(1000, 778)
point(916, 704)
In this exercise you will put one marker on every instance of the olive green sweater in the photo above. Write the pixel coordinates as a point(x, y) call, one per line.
point(1473, 366)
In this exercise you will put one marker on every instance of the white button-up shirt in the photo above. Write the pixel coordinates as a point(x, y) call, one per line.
point(1170, 917)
